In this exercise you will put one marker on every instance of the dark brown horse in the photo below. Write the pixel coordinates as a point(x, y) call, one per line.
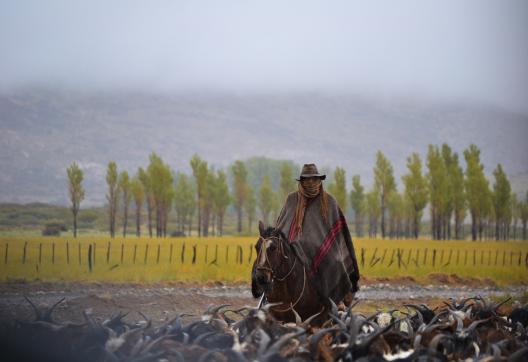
point(280, 274)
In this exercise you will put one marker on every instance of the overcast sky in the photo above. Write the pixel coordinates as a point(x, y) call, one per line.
point(474, 50)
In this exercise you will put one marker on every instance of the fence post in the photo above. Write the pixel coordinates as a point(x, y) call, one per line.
point(417, 260)
point(520, 254)
point(449, 257)
point(135, 252)
point(373, 257)
point(53, 253)
point(90, 258)
point(194, 254)
point(241, 254)
point(157, 257)
point(227, 254)
point(67, 252)
point(362, 257)
point(24, 254)
point(108, 252)
point(122, 252)
point(146, 253)
point(392, 257)
point(504, 258)
point(383, 257)
point(474, 257)
point(496, 256)
point(183, 253)
point(7, 249)
point(216, 253)
point(434, 257)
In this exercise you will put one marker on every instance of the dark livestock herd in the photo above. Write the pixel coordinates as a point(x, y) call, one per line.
point(472, 329)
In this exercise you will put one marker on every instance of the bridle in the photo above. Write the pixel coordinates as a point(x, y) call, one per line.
point(266, 266)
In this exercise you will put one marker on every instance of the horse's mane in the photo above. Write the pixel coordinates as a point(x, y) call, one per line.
point(272, 232)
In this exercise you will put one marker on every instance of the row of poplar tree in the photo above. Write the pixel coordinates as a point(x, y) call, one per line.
point(450, 192)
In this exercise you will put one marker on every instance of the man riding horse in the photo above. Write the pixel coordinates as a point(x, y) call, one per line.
point(317, 230)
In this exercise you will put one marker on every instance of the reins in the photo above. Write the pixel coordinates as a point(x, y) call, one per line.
point(281, 279)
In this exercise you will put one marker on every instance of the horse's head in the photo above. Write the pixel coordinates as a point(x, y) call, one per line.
point(273, 256)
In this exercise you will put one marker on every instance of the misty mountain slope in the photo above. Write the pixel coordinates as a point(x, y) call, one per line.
point(42, 132)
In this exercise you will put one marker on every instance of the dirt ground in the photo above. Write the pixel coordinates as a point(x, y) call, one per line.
point(160, 301)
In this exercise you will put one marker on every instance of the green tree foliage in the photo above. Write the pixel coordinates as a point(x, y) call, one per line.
point(358, 203)
point(161, 183)
point(501, 203)
point(250, 206)
point(450, 160)
point(113, 194)
point(516, 213)
point(222, 199)
point(416, 191)
point(184, 200)
point(149, 196)
point(208, 202)
point(76, 191)
point(287, 181)
point(384, 183)
point(338, 188)
point(138, 193)
point(456, 179)
point(438, 189)
point(395, 206)
point(124, 189)
point(373, 211)
point(477, 190)
point(199, 169)
point(265, 199)
point(240, 189)
point(523, 206)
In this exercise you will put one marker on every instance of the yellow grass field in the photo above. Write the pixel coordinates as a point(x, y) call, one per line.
point(229, 259)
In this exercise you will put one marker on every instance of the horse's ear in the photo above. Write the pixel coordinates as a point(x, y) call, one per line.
point(261, 228)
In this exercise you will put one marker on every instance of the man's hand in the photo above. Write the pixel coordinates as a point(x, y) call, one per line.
point(349, 298)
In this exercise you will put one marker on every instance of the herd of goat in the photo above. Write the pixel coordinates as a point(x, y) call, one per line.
point(471, 329)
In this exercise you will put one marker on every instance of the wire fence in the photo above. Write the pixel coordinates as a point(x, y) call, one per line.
point(122, 253)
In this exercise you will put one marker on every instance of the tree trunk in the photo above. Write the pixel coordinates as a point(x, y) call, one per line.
point(125, 221)
point(382, 218)
point(138, 221)
point(239, 217)
point(473, 226)
point(75, 224)
point(199, 217)
point(149, 216)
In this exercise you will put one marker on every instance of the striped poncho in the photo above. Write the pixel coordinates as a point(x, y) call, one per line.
point(325, 248)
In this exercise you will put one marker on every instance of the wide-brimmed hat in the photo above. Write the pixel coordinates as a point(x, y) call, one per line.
point(310, 170)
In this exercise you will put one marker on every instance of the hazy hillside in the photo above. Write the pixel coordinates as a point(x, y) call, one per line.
point(42, 132)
